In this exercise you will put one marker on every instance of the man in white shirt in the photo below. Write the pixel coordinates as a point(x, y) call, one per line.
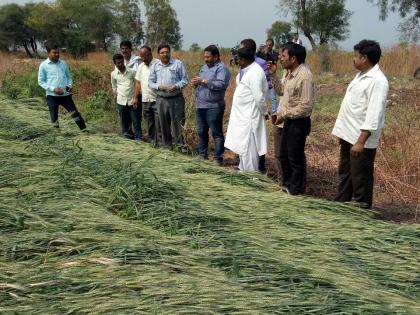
point(359, 125)
point(130, 61)
point(247, 132)
point(148, 96)
point(123, 86)
point(296, 39)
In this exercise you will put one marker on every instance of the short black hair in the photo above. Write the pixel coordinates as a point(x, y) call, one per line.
point(246, 53)
point(146, 47)
point(213, 50)
point(370, 49)
point(295, 50)
point(116, 57)
point(249, 43)
point(161, 46)
point(270, 39)
point(126, 43)
point(50, 46)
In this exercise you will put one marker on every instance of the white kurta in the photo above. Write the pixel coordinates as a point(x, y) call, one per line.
point(247, 113)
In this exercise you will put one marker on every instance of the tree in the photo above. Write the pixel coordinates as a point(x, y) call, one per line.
point(281, 32)
point(94, 17)
point(408, 9)
point(128, 23)
point(49, 22)
point(162, 24)
point(77, 25)
point(15, 31)
point(195, 47)
point(325, 20)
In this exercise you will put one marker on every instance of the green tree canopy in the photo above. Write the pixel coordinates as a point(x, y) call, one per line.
point(408, 9)
point(324, 20)
point(281, 33)
point(128, 21)
point(77, 25)
point(14, 29)
point(162, 24)
point(195, 47)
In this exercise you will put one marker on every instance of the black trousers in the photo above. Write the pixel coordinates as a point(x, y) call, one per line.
point(292, 154)
point(356, 175)
point(54, 103)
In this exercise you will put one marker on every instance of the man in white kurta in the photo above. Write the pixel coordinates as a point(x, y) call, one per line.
point(247, 132)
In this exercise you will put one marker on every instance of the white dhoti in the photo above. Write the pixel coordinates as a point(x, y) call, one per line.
point(248, 162)
point(247, 132)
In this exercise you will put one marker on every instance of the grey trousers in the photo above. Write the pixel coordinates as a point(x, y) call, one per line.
point(171, 112)
point(151, 117)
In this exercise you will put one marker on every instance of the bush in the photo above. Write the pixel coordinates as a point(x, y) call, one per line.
point(97, 106)
point(16, 85)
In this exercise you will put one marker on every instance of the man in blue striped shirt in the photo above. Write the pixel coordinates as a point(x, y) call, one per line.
point(55, 78)
point(168, 77)
point(210, 88)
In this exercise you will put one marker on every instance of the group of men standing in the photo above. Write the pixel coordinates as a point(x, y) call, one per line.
point(154, 87)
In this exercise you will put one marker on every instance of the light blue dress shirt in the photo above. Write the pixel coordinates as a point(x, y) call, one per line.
point(52, 75)
point(173, 73)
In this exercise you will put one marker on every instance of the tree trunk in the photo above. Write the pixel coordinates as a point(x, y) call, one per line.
point(305, 24)
point(25, 45)
point(34, 46)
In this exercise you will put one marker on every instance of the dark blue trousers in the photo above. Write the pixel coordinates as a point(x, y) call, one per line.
point(54, 103)
point(210, 118)
point(130, 116)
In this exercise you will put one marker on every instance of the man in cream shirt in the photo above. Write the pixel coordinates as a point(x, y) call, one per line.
point(148, 96)
point(359, 125)
point(123, 86)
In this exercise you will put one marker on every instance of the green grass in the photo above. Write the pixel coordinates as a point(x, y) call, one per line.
point(96, 224)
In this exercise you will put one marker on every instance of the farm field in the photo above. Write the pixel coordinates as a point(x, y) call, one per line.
point(96, 224)
point(397, 167)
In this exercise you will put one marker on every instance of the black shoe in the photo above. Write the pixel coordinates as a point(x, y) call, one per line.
point(218, 162)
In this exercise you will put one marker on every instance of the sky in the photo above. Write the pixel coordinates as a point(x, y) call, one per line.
point(227, 22)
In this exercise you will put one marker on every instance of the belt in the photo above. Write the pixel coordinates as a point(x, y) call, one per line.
point(170, 96)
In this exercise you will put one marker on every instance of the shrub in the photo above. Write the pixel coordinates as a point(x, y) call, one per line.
point(97, 106)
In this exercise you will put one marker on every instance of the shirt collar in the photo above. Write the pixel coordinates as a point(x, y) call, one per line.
point(213, 64)
point(119, 72)
point(171, 61)
point(370, 73)
point(50, 61)
point(297, 70)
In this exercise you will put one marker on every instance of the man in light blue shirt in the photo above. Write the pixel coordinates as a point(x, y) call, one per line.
point(210, 88)
point(168, 77)
point(55, 78)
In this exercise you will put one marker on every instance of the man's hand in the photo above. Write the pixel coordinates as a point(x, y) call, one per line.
point(173, 88)
point(273, 118)
point(196, 81)
point(58, 91)
point(163, 88)
point(278, 120)
point(134, 101)
point(357, 149)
